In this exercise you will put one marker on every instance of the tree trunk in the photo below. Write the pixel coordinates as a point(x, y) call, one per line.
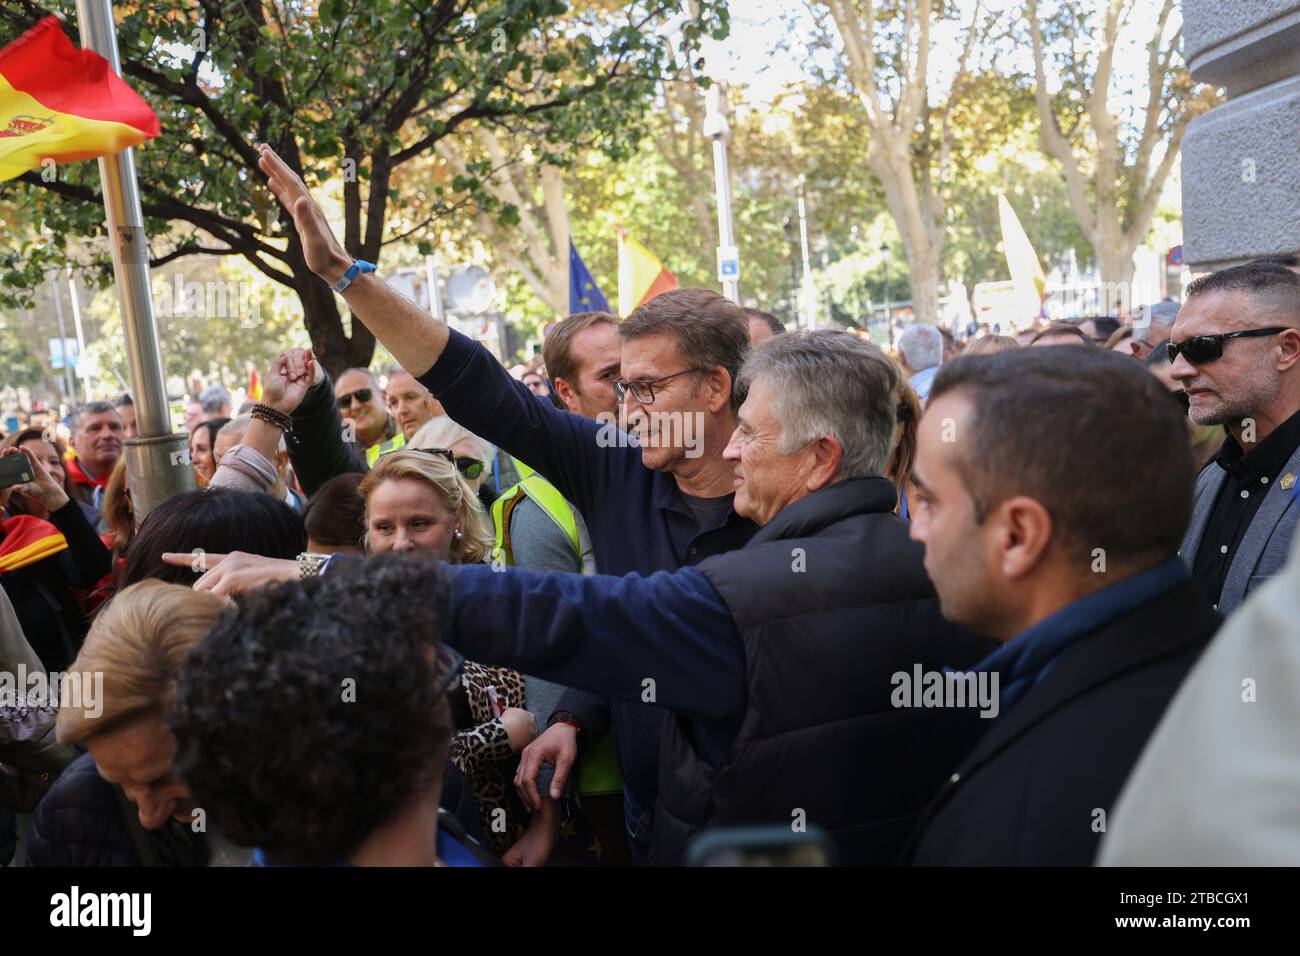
point(923, 264)
point(1115, 261)
point(922, 241)
point(334, 350)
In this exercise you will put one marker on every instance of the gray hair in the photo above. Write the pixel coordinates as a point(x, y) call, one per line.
point(1156, 320)
point(213, 399)
point(830, 383)
point(88, 408)
point(921, 346)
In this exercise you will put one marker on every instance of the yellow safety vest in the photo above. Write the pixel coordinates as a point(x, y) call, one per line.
point(383, 448)
point(600, 772)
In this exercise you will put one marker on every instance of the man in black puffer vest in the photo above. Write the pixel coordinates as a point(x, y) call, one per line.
point(781, 662)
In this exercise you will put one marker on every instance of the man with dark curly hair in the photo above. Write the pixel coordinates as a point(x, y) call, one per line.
point(335, 747)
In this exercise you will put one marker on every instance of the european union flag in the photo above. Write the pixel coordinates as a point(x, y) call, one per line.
point(584, 294)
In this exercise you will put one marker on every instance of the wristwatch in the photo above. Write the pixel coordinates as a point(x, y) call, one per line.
point(311, 564)
point(565, 717)
point(358, 266)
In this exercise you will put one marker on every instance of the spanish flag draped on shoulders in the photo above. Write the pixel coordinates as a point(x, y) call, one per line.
point(26, 540)
point(63, 104)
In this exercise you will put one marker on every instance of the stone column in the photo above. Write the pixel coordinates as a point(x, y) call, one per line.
point(1241, 160)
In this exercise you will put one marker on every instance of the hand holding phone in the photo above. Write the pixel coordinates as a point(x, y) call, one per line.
point(24, 472)
point(15, 469)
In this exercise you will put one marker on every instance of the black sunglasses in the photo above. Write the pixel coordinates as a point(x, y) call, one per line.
point(362, 395)
point(471, 468)
point(1202, 349)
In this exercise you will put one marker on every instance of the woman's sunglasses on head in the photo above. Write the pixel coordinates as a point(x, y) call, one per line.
point(1203, 349)
point(471, 468)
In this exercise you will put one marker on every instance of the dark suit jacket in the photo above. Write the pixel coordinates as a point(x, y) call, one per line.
point(1036, 789)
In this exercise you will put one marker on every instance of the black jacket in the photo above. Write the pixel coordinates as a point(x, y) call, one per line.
point(86, 821)
point(831, 600)
point(1037, 788)
point(41, 593)
point(317, 450)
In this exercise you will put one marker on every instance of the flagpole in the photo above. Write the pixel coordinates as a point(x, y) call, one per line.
point(157, 462)
point(717, 129)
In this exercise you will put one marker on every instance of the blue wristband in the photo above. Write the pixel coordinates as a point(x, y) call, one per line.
point(357, 267)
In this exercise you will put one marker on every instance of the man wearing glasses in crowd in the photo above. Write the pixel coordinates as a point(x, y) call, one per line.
point(653, 508)
point(1235, 349)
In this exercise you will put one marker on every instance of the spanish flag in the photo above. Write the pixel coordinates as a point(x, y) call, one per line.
point(641, 276)
point(64, 104)
point(24, 540)
point(254, 385)
point(1022, 261)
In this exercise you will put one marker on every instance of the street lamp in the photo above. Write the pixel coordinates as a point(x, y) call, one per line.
point(718, 129)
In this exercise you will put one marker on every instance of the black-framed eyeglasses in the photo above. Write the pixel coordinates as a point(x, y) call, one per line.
point(362, 395)
point(450, 664)
point(644, 392)
point(1203, 349)
point(471, 468)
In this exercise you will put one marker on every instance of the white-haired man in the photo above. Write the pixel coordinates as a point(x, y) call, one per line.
point(778, 662)
point(920, 348)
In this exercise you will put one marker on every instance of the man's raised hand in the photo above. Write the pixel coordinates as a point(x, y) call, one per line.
point(324, 254)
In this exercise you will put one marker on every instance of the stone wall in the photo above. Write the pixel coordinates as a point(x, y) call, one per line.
point(1241, 160)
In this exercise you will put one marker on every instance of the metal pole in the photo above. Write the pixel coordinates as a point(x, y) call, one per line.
point(157, 462)
point(807, 267)
point(435, 289)
point(884, 273)
point(69, 389)
point(81, 339)
point(718, 129)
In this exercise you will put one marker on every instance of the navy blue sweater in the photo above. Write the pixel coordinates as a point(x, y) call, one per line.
point(664, 641)
point(638, 519)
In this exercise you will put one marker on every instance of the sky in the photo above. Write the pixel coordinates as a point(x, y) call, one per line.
point(749, 56)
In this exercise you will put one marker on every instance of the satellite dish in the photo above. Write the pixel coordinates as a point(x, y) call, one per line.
point(470, 290)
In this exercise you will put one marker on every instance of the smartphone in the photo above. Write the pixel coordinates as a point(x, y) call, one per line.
point(15, 470)
point(761, 846)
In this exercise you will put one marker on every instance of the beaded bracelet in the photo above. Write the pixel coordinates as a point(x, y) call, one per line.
point(272, 417)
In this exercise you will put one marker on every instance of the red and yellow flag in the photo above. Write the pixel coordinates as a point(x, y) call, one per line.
point(64, 104)
point(641, 276)
point(254, 385)
point(24, 540)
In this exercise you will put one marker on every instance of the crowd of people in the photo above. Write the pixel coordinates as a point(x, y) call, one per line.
point(976, 602)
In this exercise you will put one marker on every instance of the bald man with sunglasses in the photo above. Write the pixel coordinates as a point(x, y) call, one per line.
point(1235, 349)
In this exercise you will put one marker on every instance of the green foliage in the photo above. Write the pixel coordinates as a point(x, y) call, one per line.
point(336, 87)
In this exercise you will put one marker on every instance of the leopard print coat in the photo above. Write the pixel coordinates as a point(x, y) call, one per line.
point(482, 752)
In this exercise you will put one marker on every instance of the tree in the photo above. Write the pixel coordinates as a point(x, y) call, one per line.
point(1107, 158)
point(886, 61)
point(344, 90)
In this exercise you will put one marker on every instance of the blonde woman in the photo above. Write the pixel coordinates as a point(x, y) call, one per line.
point(420, 502)
point(121, 803)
